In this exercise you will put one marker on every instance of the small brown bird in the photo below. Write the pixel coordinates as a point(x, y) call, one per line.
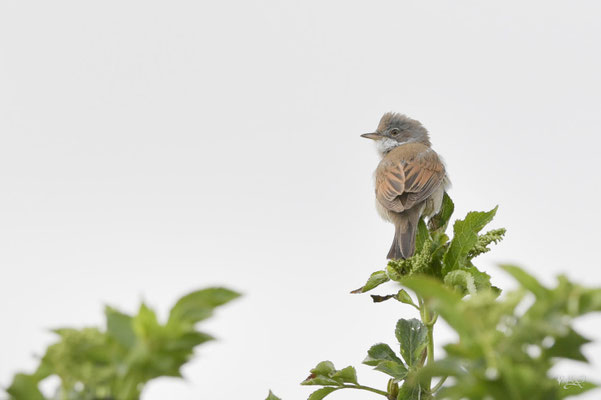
point(410, 179)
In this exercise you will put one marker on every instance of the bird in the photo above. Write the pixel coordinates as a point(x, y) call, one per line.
point(410, 180)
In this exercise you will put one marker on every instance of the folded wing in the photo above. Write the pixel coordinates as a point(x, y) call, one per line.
point(404, 180)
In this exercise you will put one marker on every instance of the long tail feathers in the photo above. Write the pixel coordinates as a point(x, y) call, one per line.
point(403, 245)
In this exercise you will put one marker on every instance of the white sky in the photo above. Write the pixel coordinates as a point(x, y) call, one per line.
point(152, 148)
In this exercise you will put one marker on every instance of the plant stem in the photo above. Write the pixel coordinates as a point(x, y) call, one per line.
point(369, 389)
point(430, 327)
point(439, 384)
point(429, 322)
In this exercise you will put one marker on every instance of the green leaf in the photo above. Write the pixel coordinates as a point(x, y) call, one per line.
point(421, 236)
point(321, 393)
point(412, 335)
point(574, 388)
point(404, 297)
point(272, 396)
point(145, 323)
point(119, 326)
point(375, 280)
point(319, 381)
point(24, 387)
point(461, 280)
point(440, 221)
point(409, 392)
point(527, 280)
point(199, 305)
point(43, 371)
point(324, 368)
point(323, 374)
point(590, 301)
point(568, 346)
point(392, 368)
point(481, 279)
point(465, 237)
point(444, 299)
point(380, 352)
point(187, 341)
point(346, 375)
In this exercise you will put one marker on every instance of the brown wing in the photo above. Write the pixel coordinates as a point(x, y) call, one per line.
point(408, 177)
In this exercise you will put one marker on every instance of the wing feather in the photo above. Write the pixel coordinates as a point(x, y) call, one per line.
point(408, 177)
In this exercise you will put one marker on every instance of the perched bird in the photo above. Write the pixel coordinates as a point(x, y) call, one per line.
point(410, 180)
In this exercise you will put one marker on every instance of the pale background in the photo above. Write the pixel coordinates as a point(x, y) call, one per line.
point(152, 148)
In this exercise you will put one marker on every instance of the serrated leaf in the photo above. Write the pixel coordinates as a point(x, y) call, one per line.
point(394, 369)
point(272, 396)
point(412, 335)
point(346, 375)
point(198, 305)
point(321, 393)
point(481, 279)
point(380, 352)
point(465, 237)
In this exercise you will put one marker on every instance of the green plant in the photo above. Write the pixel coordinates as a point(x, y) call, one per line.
point(507, 343)
point(114, 363)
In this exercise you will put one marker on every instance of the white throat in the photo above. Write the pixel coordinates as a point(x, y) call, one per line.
point(387, 144)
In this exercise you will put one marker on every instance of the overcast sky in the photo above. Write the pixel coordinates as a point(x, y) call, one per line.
point(152, 148)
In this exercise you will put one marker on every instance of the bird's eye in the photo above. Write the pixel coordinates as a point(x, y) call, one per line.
point(394, 132)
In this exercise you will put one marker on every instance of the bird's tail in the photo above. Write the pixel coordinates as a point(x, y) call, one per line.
point(405, 229)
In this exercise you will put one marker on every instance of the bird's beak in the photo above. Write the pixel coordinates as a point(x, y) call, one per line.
point(374, 135)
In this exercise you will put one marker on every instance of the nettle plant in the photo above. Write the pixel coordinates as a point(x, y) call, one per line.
point(115, 362)
point(507, 342)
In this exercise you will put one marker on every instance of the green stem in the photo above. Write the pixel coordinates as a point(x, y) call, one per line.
point(439, 384)
point(428, 321)
point(369, 389)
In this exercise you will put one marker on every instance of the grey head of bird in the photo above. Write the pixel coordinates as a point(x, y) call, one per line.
point(397, 129)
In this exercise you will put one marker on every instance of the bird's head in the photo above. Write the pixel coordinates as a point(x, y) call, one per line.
point(396, 129)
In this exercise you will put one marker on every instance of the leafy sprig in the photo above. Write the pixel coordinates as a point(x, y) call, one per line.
point(502, 352)
point(116, 362)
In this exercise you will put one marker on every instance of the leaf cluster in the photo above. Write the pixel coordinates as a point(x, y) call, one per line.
point(507, 346)
point(445, 259)
point(115, 362)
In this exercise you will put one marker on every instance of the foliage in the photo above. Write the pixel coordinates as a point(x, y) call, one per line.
point(507, 343)
point(114, 363)
point(503, 350)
